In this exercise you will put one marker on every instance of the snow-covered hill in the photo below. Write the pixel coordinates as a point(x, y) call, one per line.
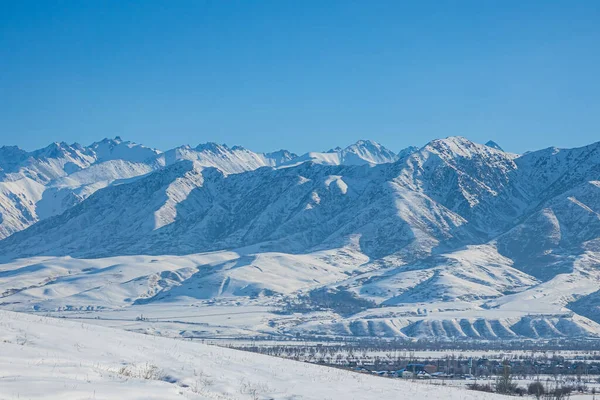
point(449, 240)
point(46, 358)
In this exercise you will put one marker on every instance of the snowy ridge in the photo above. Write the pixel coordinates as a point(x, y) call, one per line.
point(229, 160)
point(292, 208)
point(360, 153)
point(71, 173)
point(117, 149)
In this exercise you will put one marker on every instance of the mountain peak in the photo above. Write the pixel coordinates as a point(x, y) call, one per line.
point(457, 145)
point(116, 140)
point(407, 151)
point(457, 140)
point(366, 142)
point(11, 157)
point(493, 145)
point(53, 150)
point(213, 147)
point(367, 151)
point(16, 149)
point(117, 149)
point(280, 156)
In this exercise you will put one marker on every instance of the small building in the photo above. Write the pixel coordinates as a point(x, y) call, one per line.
point(411, 371)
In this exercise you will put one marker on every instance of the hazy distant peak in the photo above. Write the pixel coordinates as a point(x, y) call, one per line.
point(457, 146)
point(213, 147)
point(117, 149)
point(367, 151)
point(407, 151)
point(280, 156)
point(493, 145)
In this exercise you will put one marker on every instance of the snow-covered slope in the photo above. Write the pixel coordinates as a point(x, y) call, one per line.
point(473, 180)
point(63, 282)
point(44, 358)
point(470, 274)
point(407, 151)
point(18, 200)
point(546, 241)
point(549, 172)
point(469, 294)
point(588, 306)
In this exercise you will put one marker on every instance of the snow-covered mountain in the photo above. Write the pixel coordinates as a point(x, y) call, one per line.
point(455, 239)
point(117, 149)
point(230, 160)
point(46, 182)
point(202, 209)
point(494, 145)
point(360, 153)
point(44, 165)
point(42, 183)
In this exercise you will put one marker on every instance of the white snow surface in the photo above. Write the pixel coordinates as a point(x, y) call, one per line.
point(45, 358)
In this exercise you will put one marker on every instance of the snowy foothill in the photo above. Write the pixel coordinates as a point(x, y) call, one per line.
point(46, 358)
point(472, 293)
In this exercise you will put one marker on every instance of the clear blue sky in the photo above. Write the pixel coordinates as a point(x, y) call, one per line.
point(302, 75)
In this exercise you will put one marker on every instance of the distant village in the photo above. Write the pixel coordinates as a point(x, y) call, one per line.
point(559, 371)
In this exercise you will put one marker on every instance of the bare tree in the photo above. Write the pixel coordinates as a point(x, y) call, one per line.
point(504, 383)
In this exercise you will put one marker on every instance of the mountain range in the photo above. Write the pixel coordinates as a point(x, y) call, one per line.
point(451, 240)
point(46, 182)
